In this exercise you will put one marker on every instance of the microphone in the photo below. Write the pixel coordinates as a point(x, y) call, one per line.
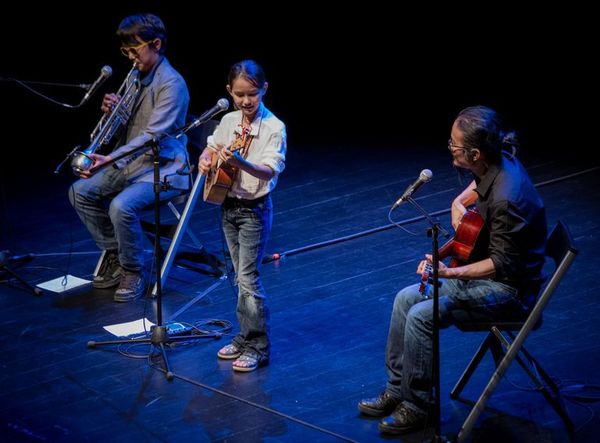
point(222, 105)
point(105, 72)
point(424, 177)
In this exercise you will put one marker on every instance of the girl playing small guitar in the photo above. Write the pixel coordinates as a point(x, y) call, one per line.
point(251, 143)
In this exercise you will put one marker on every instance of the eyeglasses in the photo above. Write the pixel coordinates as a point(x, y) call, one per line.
point(133, 50)
point(452, 147)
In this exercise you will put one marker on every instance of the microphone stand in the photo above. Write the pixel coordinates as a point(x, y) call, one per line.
point(433, 232)
point(6, 259)
point(159, 337)
point(26, 84)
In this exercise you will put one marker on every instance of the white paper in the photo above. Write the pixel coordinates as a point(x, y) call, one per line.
point(130, 328)
point(63, 284)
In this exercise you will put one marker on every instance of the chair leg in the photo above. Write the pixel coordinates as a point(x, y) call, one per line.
point(180, 231)
point(496, 348)
point(511, 353)
point(494, 341)
point(554, 397)
point(547, 379)
point(502, 339)
point(468, 372)
point(195, 241)
point(99, 264)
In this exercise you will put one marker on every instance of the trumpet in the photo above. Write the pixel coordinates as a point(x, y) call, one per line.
point(110, 122)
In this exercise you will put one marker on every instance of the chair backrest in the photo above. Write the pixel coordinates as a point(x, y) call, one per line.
point(560, 250)
point(559, 243)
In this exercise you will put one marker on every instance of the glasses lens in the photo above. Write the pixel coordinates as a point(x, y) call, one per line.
point(133, 50)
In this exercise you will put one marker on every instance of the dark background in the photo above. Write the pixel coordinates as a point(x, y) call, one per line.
point(368, 76)
point(368, 94)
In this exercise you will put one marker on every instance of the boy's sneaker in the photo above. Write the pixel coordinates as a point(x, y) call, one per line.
point(131, 287)
point(109, 274)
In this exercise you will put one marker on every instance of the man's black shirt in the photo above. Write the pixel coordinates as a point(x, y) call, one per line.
point(515, 217)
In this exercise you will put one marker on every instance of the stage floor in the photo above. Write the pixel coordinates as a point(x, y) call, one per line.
point(330, 306)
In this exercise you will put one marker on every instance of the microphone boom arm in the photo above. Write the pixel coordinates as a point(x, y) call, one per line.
point(427, 216)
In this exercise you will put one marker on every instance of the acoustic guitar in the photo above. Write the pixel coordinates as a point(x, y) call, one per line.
point(219, 178)
point(461, 248)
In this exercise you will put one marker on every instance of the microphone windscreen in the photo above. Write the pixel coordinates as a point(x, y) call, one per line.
point(223, 104)
point(106, 71)
point(426, 175)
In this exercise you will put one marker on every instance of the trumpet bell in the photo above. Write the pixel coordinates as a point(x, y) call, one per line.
point(81, 162)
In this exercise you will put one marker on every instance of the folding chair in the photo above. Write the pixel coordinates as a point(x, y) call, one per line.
point(175, 233)
point(505, 346)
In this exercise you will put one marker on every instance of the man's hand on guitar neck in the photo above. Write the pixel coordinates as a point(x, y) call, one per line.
point(422, 268)
point(482, 269)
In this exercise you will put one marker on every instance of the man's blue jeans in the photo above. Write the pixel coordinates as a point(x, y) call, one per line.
point(247, 228)
point(409, 345)
point(110, 208)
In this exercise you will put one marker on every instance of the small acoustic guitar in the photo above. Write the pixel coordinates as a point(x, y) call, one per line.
point(219, 178)
point(460, 248)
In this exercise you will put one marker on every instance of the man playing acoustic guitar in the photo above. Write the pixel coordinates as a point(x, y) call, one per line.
point(498, 281)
